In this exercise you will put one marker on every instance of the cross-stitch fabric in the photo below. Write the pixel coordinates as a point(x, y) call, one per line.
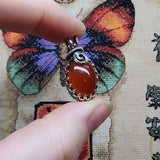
point(132, 132)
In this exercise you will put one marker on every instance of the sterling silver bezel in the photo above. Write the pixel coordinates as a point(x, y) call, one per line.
point(78, 97)
point(77, 54)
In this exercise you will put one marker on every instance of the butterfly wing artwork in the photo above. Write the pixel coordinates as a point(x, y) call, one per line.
point(109, 26)
point(33, 62)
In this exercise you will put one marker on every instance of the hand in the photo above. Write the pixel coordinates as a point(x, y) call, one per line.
point(61, 134)
point(41, 17)
point(58, 136)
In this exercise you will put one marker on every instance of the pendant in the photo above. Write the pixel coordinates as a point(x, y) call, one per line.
point(80, 73)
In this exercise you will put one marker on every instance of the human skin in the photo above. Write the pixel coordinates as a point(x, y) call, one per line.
point(61, 134)
point(41, 17)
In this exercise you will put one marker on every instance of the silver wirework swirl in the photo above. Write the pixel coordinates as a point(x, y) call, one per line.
point(80, 57)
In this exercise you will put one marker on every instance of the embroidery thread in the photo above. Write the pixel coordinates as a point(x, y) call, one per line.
point(157, 47)
point(153, 93)
point(154, 130)
point(156, 156)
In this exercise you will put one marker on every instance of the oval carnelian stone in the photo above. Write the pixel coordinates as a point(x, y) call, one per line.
point(82, 77)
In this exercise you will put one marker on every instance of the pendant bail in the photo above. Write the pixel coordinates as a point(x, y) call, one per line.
point(73, 47)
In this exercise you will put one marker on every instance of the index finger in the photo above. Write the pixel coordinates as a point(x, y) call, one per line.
point(41, 17)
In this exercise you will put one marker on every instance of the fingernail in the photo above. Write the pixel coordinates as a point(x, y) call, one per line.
point(109, 104)
point(99, 115)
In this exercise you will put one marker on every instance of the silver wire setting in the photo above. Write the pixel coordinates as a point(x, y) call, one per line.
point(77, 53)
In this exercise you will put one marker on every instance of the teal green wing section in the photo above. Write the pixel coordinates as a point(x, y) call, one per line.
point(110, 65)
point(30, 69)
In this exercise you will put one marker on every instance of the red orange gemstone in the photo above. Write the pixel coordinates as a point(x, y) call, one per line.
point(82, 77)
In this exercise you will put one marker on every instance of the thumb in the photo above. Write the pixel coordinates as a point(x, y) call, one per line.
point(60, 135)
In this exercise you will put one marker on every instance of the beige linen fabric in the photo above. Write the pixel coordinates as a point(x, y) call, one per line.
point(123, 136)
